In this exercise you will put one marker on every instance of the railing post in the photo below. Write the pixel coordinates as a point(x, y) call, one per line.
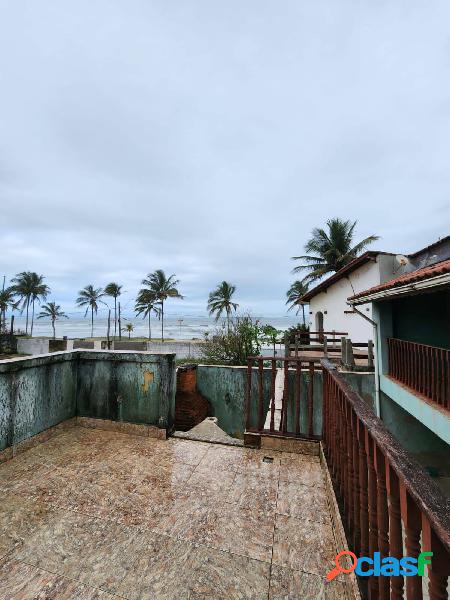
point(356, 483)
point(260, 395)
point(311, 399)
point(439, 569)
point(297, 392)
point(373, 520)
point(248, 395)
point(343, 350)
point(285, 401)
point(395, 529)
point(370, 354)
point(273, 376)
point(412, 520)
point(382, 516)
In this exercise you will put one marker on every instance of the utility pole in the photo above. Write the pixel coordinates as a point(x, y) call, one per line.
point(120, 325)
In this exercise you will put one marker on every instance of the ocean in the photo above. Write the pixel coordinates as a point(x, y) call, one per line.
point(181, 327)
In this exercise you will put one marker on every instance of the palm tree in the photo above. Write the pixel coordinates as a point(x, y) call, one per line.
point(6, 301)
point(162, 288)
point(129, 327)
point(220, 300)
point(294, 297)
point(90, 297)
point(329, 251)
point(114, 290)
point(29, 287)
point(146, 303)
point(53, 312)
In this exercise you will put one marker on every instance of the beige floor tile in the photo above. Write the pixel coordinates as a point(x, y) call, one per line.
point(171, 569)
point(19, 519)
point(302, 501)
point(303, 545)
point(286, 584)
point(60, 544)
point(254, 492)
point(21, 581)
point(221, 458)
point(226, 527)
point(304, 472)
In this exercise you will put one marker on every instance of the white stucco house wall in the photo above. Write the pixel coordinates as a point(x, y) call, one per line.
point(328, 301)
point(328, 307)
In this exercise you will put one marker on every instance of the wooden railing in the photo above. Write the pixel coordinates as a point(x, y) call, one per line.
point(424, 369)
point(289, 411)
point(389, 503)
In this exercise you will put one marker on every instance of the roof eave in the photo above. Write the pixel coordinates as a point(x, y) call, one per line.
point(410, 288)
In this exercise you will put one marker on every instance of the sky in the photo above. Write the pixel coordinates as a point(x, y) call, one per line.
point(209, 138)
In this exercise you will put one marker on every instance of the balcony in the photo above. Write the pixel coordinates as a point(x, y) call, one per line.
point(96, 507)
point(101, 514)
point(423, 369)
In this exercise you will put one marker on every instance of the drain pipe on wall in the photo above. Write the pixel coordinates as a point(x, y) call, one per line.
point(375, 351)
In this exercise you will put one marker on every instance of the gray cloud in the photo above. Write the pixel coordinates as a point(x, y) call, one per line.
point(209, 138)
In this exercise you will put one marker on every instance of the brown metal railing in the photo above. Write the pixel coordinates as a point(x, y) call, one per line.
point(389, 504)
point(424, 369)
point(297, 403)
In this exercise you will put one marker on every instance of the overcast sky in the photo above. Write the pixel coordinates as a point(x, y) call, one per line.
point(208, 138)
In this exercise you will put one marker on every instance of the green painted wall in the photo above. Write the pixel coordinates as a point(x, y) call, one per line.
point(133, 387)
point(429, 449)
point(423, 318)
point(37, 393)
point(224, 388)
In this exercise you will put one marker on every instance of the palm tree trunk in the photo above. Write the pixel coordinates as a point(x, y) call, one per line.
point(149, 326)
point(92, 321)
point(53, 325)
point(115, 316)
point(26, 325)
point(303, 310)
point(162, 320)
point(32, 316)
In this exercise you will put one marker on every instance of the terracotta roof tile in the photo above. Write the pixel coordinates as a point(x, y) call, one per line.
point(435, 270)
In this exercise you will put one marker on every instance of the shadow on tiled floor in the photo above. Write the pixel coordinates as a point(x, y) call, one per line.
point(96, 514)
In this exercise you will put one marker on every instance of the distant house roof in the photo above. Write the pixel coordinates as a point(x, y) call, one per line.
point(432, 276)
point(432, 246)
point(352, 266)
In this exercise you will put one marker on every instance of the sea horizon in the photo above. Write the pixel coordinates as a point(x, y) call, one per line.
point(180, 326)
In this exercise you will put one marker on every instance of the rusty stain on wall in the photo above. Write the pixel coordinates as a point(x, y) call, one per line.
point(148, 378)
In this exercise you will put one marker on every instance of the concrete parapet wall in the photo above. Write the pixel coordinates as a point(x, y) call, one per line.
point(32, 346)
point(130, 345)
point(181, 349)
point(40, 392)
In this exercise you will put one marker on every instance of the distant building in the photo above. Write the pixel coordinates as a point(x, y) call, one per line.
point(328, 301)
point(328, 307)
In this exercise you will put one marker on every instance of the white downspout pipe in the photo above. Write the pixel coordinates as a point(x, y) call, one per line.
point(375, 351)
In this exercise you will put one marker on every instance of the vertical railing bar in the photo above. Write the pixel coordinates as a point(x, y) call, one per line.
point(311, 399)
point(249, 391)
point(298, 376)
point(285, 397)
point(260, 395)
point(272, 394)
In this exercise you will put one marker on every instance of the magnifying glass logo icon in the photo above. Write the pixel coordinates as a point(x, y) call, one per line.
point(339, 568)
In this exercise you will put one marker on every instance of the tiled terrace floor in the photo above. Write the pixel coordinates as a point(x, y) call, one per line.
point(96, 514)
